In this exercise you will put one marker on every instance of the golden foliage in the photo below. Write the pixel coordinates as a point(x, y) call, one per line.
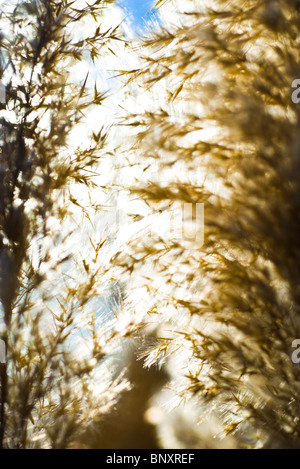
point(49, 391)
point(221, 129)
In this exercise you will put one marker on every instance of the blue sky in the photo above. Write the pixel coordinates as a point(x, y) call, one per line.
point(138, 10)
